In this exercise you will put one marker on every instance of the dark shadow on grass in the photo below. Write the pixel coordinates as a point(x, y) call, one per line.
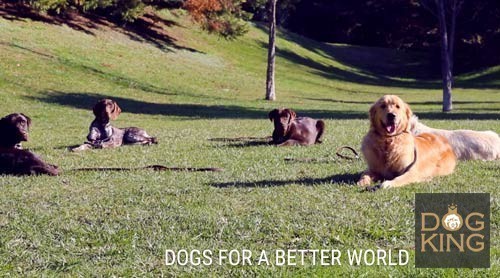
point(16, 11)
point(242, 142)
point(437, 103)
point(345, 178)
point(360, 76)
point(120, 80)
point(99, 72)
point(201, 111)
point(485, 113)
point(457, 116)
point(149, 28)
point(247, 144)
point(87, 100)
point(376, 66)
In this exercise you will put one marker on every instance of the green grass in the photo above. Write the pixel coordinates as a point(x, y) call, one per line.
point(197, 88)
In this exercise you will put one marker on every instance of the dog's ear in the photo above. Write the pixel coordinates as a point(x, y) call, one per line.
point(99, 107)
point(408, 111)
point(409, 116)
point(28, 120)
point(273, 114)
point(115, 110)
point(292, 114)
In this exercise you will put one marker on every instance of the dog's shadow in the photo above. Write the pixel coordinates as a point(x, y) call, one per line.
point(243, 142)
point(345, 178)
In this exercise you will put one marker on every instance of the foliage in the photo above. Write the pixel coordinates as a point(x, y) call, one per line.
point(224, 17)
point(49, 5)
point(219, 16)
point(259, 9)
point(127, 10)
point(403, 24)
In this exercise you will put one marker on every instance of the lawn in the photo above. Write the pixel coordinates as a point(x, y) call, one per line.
point(191, 90)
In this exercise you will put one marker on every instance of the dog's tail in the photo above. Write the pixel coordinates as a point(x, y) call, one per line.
point(320, 126)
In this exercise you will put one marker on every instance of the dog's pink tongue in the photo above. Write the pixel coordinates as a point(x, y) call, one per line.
point(391, 128)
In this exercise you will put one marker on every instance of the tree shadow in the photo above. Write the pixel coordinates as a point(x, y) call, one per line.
point(430, 103)
point(149, 28)
point(87, 101)
point(375, 66)
point(481, 80)
point(345, 178)
point(457, 116)
point(361, 75)
point(17, 11)
point(83, 100)
point(119, 80)
point(488, 113)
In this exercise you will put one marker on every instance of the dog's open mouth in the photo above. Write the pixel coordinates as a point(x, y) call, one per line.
point(390, 127)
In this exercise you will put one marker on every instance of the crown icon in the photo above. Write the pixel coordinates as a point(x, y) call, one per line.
point(452, 208)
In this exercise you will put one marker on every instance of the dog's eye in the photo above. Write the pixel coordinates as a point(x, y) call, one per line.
point(383, 106)
point(397, 106)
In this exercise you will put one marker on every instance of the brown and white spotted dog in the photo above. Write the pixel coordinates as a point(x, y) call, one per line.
point(103, 135)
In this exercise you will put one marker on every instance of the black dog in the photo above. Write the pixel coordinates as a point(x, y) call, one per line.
point(13, 160)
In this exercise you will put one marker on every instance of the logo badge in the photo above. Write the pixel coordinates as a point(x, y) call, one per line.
point(452, 221)
point(452, 230)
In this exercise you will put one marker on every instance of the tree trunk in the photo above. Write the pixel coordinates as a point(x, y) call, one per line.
point(445, 58)
point(451, 46)
point(271, 54)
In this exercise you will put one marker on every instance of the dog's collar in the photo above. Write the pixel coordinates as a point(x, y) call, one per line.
point(105, 125)
point(412, 163)
point(397, 134)
point(386, 135)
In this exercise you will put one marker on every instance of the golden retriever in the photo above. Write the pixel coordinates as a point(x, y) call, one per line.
point(467, 144)
point(397, 157)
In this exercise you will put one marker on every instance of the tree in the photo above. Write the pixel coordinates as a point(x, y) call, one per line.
point(446, 11)
point(271, 52)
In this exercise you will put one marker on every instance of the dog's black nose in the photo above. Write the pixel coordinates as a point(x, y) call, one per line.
point(391, 116)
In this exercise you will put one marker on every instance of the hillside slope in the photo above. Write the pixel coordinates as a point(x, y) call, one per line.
point(177, 62)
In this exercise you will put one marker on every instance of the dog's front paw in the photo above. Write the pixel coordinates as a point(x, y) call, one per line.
point(386, 185)
point(364, 180)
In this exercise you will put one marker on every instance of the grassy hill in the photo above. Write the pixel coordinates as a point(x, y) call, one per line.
point(190, 89)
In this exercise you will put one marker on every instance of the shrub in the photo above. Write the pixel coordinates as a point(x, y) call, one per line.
point(224, 17)
point(127, 10)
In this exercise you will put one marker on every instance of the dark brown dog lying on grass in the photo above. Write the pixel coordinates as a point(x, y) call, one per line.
point(103, 135)
point(290, 130)
point(14, 160)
